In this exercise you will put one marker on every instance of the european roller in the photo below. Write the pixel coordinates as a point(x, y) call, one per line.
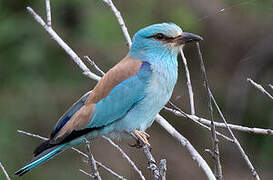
point(126, 99)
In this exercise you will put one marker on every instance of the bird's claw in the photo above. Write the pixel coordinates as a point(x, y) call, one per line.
point(142, 138)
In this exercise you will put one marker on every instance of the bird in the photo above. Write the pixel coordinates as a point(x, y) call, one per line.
point(126, 99)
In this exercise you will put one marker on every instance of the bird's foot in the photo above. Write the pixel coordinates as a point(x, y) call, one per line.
point(142, 138)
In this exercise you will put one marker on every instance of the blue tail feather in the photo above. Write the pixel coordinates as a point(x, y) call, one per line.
point(41, 158)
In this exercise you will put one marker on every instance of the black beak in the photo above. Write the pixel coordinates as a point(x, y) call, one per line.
point(187, 38)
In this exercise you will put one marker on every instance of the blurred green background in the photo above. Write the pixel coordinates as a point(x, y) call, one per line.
point(39, 81)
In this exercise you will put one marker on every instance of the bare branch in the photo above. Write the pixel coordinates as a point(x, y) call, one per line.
point(163, 168)
point(91, 161)
point(151, 160)
point(5, 172)
point(67, 49)
point(125, 156)
point(99, 164)
point(48, 12)
point(188, 82)
point(92, 63)
point(260, 88)
point(120, 21)
point(222, 125)
point(253, 171)
point(179, 112)
point(86, 173)
point(184, 142)
point(215, 141)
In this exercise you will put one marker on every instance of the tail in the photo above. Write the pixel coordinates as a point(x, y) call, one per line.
point(41, 158)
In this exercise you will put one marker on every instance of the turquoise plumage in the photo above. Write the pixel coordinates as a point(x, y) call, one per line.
point(126, 99)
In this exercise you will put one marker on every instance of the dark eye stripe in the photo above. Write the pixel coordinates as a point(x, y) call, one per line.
point(161, 37)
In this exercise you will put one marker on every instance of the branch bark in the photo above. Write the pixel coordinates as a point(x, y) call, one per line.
point(187, 72)
point(92, 163)
point(260, 88)
point(215, 141)
point(4, 171)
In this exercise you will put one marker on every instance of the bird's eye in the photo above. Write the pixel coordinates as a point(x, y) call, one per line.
point(159, 36)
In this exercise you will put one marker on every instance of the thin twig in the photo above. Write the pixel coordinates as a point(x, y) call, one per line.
point(125, 156)
point(120, 20)
point(252, 170)
point(99, 164)
point(67, 49)
point(215, 141)
point(271, 86)
point(91, 161)
point(86, 173)
point(184, 142)
point(151, 160)
point(179, 112)
point(188, 82)
point(222, 125)
point(249, 164)
point(163, 168)
point(260, 88)
point(92, 63)
point(5, 172)
point(48, 12)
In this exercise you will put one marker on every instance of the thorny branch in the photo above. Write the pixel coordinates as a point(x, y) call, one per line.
point(215, 141)
point(4, 171)
point(260, 88)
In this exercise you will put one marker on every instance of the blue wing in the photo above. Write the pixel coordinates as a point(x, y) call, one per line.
point(119, 101)
point(122, 98)
point(69, 113)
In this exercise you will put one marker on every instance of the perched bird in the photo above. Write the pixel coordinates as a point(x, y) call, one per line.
point(126, 99)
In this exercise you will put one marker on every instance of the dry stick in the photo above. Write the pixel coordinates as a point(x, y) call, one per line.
point(120, 21)
point(184, 142)
point(91, 161)
point(253, 171)
point(188, 82)
point(159, 119)
point(215, 141)
point(48, 12)
point(222, 125)
point(99, 164)
point(179, 112)
point(5, 172)
point(260, 88)
point(125, 156)
point(151, 160)
point(163, 168)
point(92, 63)
point(67, 49)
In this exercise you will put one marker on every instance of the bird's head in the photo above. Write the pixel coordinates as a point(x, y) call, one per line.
point(160, 38)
